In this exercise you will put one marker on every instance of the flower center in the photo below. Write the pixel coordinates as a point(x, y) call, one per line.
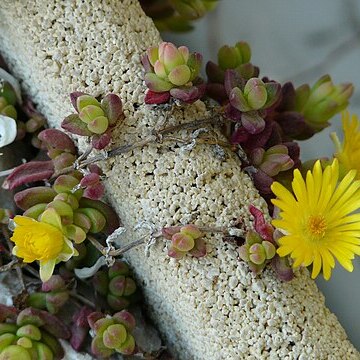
point(317, 225)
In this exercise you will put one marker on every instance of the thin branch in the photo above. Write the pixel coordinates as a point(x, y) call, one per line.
point(127, 247)
point(83, 299)
point(156, 137)
point(9, 266)
point(5, 231)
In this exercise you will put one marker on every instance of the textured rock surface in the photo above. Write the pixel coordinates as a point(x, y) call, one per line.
point(211, 308)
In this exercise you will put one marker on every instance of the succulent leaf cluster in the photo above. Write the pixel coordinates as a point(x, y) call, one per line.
point(172, 72)
point(260, 247)
point(93, 118)
point(112, 334)
point(185, 239)
point(116, 285)
point(53, 295)
point(30, 334)
point(176, 15)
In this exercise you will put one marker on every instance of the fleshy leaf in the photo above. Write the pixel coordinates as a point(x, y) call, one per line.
point(74, 125)
point(29, 172)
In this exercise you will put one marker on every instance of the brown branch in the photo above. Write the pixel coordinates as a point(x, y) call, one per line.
point(156, 137)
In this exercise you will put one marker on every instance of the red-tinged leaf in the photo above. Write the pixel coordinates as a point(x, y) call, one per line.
point(199, 250)
point(112, 106)
point(54, 325)
point(80, 317)
point(168, 232)
point(73, 98)
point(57, 139)
point(214, 72)
point(189, 95)
point(78, 336)
point(28, 173)
point(264, 229)
point(7, 312)
point(93, 317)
point(29, 197)
point(99, 142)
point(94, 192)
point(90, 179)
point(232, 113)
point(95, 169)
point(282, 268)
point(74, 125)
point(152, 97)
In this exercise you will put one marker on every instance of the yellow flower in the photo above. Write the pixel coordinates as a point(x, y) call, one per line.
point(348, 153)
point(318, 222)
point(43, 241)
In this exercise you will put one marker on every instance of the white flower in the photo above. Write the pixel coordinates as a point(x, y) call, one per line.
point(7, 130)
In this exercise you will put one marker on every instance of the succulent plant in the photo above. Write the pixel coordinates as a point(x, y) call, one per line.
point(112, 334)
point(260, 247)
point(30, 335)
point(172, 72)
point(185, 239)
point(94, 118)
point(175, 15)
point(307, 110)
point(116, 285)
point(52, 297)
point(256, 251)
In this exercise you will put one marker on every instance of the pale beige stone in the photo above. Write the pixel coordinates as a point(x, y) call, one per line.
point(209, 308)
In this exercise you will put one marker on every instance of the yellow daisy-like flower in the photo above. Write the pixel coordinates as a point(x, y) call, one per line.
point(318, 220)
point(348, 152)
point(43, 241)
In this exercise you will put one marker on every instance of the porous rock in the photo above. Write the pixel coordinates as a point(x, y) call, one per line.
point(208, 308)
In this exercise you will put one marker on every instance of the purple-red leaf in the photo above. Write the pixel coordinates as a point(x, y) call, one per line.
point(7, 312)
point(74, 125)
point(152, 97)
point(189, 95)
point(264, 229)
point(112, 106)
point(29, 172)
point(29, 197)
point(99, 142)
point(73, 98)
point(57, 139)
point(282, 268)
